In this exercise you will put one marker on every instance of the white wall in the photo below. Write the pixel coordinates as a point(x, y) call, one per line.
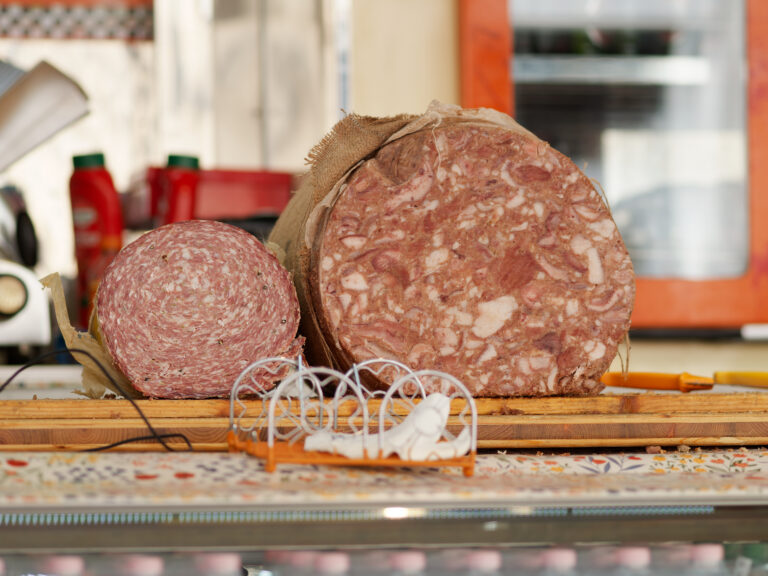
point(404, 55)
point(117, 77)
point(239, 83)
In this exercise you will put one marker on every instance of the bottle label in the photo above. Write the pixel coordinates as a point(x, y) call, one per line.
point(84, 216)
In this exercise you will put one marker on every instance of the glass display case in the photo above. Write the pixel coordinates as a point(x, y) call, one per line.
point(664, 106)
point(650, 98)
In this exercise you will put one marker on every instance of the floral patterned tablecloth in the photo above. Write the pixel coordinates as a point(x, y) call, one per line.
point(36, 481)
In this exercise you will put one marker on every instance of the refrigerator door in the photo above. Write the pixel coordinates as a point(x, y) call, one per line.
point(650, 98)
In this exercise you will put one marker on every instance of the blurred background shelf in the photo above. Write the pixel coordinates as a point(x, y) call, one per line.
point(633, 70)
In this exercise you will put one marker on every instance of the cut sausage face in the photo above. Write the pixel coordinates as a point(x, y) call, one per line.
point(186, 307)
point(481, 252)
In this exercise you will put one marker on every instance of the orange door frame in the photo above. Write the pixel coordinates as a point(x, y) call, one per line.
point(485, 37)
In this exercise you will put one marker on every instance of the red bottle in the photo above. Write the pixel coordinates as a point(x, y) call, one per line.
point(98, 222)
point(179, 189)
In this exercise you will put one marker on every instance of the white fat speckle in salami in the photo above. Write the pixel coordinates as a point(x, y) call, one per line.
point(437, 258)
point(505, 269)
point(460, 317)
point(354, 281)
point(493, 315)
point(603, 304)
point(504, 173)
point(552, 271)
point(598, 351)
point(354, 242)
point(594, 266)
point(539, 362)
point(212, 300)
point(551, 379)
point(447, 336)
point(488, 354)
point(587, 213)
point(515, 202)
point(579, 244)
point(605, 228)
point(414, 192)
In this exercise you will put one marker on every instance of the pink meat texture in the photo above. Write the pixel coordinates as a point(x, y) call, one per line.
point(186, 307)
point(479, 251)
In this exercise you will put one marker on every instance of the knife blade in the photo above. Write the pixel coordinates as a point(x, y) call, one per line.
point(684, 382)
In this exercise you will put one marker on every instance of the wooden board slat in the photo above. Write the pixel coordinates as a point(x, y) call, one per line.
point(515, 423)
point(648, 403)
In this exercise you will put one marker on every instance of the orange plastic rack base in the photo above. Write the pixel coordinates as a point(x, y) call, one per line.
point(294, 453)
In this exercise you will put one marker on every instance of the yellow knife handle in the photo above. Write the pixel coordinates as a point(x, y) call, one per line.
point(753, 379)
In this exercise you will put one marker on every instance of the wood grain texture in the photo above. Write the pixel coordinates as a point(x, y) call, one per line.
point(514, 423)
point(647, 403)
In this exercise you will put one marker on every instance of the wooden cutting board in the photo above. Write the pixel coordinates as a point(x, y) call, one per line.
point(621, 420)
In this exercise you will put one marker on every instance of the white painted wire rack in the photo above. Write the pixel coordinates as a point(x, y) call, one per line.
point(317, 415)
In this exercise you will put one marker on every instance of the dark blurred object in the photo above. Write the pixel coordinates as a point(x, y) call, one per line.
point(596, 41)
point(18, 241)
point(259, 226)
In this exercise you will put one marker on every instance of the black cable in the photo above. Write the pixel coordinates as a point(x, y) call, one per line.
point(139, 439)
point(153, 433)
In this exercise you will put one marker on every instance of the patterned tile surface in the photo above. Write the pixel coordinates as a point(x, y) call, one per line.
point(31, 480)
point(112, 20)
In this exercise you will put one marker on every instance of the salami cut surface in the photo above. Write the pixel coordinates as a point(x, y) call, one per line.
point(477, 250)
point(186, 307)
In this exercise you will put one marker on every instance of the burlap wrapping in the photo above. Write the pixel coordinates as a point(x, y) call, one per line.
point(100, 373)
point(300, 227)
point(95, 382)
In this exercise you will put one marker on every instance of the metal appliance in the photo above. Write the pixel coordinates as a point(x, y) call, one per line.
point(24, 307)
point(35, 105)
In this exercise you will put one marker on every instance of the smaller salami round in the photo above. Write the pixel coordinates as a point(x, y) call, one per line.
point(186, 307)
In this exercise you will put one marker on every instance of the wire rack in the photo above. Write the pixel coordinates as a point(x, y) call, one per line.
point(317, 415)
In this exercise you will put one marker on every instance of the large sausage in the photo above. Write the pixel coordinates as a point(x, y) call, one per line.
point(186, 307)
point(479, 251)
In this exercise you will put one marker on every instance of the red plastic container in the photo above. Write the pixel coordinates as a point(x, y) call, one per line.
point(98, 223)
point(220, 194)
point(179, 183)
point(154, 182)
point(223, 194)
